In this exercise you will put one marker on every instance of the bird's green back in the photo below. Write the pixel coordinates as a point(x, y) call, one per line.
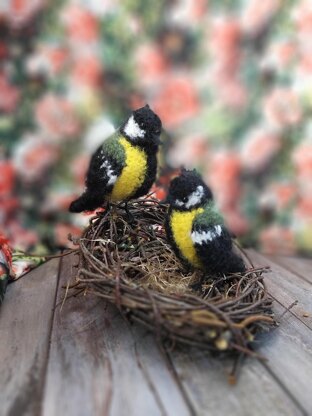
point(113, 148)
point(210, 216)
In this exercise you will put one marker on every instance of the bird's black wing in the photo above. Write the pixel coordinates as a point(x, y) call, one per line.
point(105, 167)
point(213, 244)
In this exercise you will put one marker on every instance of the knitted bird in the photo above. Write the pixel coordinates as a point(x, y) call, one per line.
point(196, 229)
point(125, 165)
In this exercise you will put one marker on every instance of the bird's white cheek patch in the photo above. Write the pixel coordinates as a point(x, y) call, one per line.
point(133, 130)
point(200, 237)
point(195, 197)
point(179, 203)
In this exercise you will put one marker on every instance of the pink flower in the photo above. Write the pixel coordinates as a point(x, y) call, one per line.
point(79, 167)
point(223, 177)
point(282, 108)
point(5, 252)
point(279, 195)
point(231, 92)
point(87, 71)
point(21, 238)
point(225, 166)
point(151, 63)
point(304, 207)
point(225, 35)
point(188, 151)
point(259, 148)
point(257, 14)
point(236, 222)
point(8, 206)
point(225, 38)
point(158, 192)
point(224, 42)
point(302, 15)
point(4, 50)
point(62, 231)
point(187, 11)
point(21, 11)
point(48, 59)
point(302, 159)
point(80, 24)
point(7, 178)
point(57, 201)
point(276, 239)
point(9, 95)
point(305, 65)
point(177, 101)
point(136, 100)
point(33, 156)
point(57, 57)
point(56, 116)
point(280, 55)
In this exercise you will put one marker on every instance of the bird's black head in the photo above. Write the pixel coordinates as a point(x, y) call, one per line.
point(188, 191)
point(143, 127)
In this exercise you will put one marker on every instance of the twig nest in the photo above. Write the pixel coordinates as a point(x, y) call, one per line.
point(132, 266)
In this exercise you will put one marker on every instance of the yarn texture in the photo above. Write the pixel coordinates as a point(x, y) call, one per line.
point(125, 166)
point(196, 230)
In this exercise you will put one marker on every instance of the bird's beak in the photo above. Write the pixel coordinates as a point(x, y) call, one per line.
point(155, 138)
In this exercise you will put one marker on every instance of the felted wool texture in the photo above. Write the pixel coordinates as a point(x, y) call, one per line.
point(125, 166)
point(133, 173)
point(181, 225)
point(184, 185)
point(197, 233)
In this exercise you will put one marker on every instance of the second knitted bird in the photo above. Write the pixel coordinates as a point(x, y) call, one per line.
point(196, 230)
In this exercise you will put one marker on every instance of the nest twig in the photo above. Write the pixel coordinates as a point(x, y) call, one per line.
point(133, 267)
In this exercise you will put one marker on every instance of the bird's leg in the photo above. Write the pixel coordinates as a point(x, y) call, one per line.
point(108, 206)
point(197, 286)
point(130, 218)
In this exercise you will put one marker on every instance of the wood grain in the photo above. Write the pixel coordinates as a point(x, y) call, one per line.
point(289, 350)
point(302, 267)
point(205, 382)
point(279, 386)
point(25, 324)
point(98, 365)
point(286, 287)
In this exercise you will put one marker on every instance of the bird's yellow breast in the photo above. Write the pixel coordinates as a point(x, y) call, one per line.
point(181, 226)
point(132, 175)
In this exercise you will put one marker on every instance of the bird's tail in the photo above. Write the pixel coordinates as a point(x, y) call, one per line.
point(86, 202)
point(235, 263)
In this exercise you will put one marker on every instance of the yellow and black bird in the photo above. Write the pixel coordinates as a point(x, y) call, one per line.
point(196, 229)
point(125, 165)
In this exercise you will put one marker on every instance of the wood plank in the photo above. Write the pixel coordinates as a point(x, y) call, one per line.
point(289, 349)
point(302, 267)
point(25, 325)
point(286, 288)
point(99, 365)
point(205, 382)
point(280, 386)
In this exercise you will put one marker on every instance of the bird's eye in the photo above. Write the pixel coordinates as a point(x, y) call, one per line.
point(184, 199)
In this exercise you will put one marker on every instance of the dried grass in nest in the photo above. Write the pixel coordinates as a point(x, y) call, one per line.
point(133, 267)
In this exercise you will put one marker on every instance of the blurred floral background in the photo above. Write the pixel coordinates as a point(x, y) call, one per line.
point(231, 81)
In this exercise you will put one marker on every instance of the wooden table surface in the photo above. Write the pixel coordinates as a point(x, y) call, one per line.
point(85, 359)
